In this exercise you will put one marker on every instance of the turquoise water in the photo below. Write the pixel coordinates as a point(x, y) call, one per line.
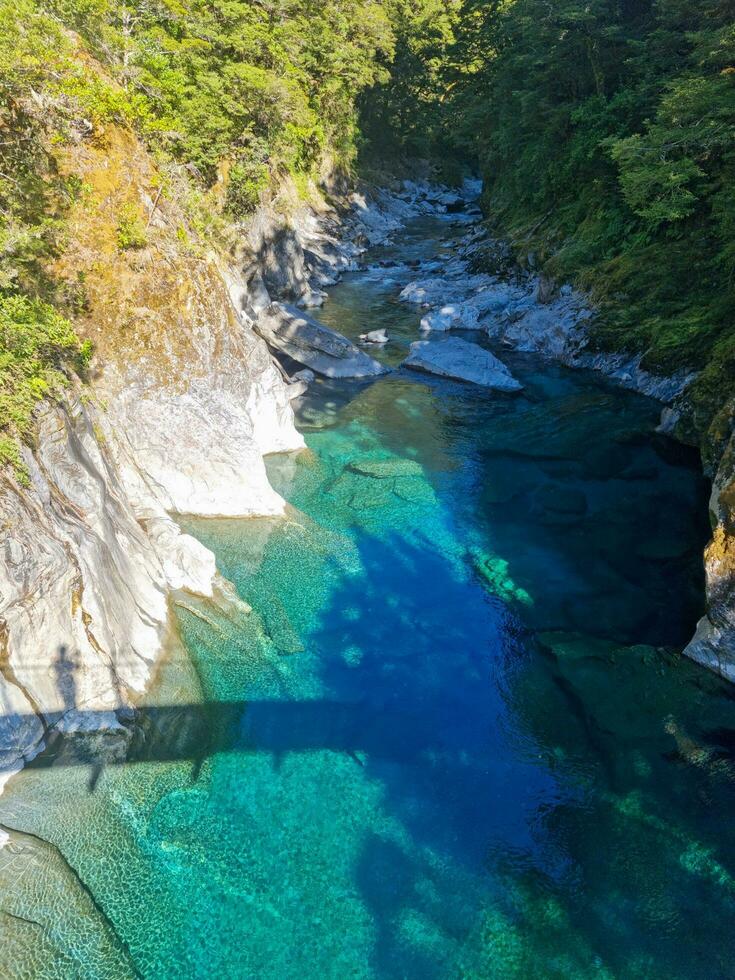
point(453, 737)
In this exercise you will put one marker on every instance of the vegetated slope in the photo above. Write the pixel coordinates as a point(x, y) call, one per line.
point(605, 130)
point(229, 97)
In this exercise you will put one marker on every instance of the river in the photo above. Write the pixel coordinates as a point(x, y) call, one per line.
point(454, 737)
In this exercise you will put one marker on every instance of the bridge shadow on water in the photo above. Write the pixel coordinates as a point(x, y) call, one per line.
point(426, 688)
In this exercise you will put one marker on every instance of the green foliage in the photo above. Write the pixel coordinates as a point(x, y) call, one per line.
point(404, 113)
point(247, 180)
point(131, 232)
point(37, 346)
point(214, 83)
point(230, 95)
point(605, 131)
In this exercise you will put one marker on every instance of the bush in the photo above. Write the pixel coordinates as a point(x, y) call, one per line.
point(131, 231)
point(38, 347)
point(246, 181)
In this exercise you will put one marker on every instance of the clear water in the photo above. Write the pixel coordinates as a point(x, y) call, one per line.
point(453, 738)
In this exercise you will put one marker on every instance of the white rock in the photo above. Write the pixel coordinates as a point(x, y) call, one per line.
point(296, 389)
point(456, 358)
point(454, 287)
point(455, 316)
point(311, 343)
point(669, 420)
point(257, 294)
point(374, 337)
point(424, 291)
point(312, 298)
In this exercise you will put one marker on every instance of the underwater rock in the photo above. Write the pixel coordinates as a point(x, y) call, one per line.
point(414, 490)
point(560, 499)
point(455, 358)
point(606, 462)
point(374, 337)
point(309, 342)
point(494, 571)
point(386, 469)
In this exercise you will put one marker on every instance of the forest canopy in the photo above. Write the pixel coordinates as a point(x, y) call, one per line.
point(605, 131)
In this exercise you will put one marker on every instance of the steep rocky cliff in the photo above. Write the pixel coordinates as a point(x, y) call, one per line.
point(714, 642)
point(182, 404)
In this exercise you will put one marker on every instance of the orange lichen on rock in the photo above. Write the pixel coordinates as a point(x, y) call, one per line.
point(145, 302)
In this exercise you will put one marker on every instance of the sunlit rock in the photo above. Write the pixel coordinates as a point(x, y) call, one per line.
point(309, 342)
point(455, 358)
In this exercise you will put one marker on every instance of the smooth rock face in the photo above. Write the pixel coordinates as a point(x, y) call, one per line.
point(714, 642)
point(455, 358)
point(90, 552)
point(83, 589)
point(311, 343)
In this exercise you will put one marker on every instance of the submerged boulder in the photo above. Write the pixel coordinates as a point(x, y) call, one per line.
point(386, 469)
point(374, 337)
point(455, 358)
point(309, 342)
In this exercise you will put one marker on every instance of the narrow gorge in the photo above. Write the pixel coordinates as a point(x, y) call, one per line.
point(367, 594)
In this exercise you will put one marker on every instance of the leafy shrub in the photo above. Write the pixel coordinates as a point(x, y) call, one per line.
point(247, 179)
point(131, 231)
point(37, 349)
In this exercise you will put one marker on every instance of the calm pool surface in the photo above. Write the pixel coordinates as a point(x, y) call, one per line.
point(453, 737)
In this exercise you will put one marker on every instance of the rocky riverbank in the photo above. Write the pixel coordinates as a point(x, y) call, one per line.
point(484, 289)
point(179, 416)
point(184, 402)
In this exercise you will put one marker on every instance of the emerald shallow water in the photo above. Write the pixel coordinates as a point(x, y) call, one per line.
point(453, 737)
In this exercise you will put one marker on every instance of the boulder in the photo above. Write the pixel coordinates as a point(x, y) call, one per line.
point(312, 298)
point(424, 291)
point(452, 202)
point(307, 341)
point(454, 316)
point(281, 262)
point(374, 337)
point(296, 389)
point(545, 291)
point(257, 294)
point(455, 358)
